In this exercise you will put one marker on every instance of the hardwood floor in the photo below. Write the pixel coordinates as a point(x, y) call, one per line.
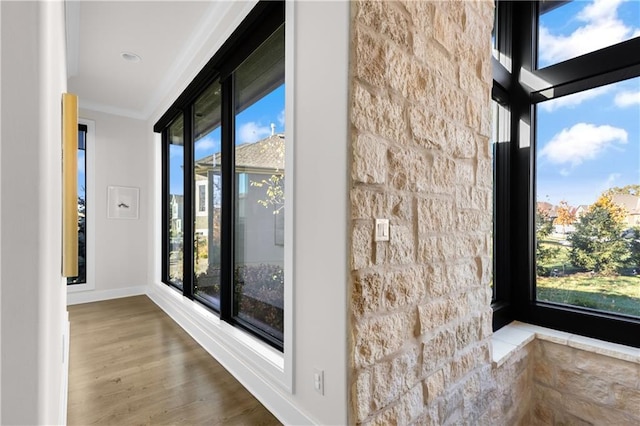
point(131, 364)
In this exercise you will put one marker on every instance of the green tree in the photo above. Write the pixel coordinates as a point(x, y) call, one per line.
point(544, 252)
point(633, 243)
point(273, 185)
point(628, 189)
point(598, 244)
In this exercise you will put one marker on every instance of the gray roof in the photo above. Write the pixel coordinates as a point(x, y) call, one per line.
point(628, 201)
point(264, 155)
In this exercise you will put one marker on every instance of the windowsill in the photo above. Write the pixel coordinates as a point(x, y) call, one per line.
point(516, 335)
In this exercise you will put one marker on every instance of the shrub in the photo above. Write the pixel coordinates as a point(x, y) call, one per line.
point(259, 292)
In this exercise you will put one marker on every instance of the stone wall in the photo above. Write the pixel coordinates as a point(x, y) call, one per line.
point(420, 303)
point(575, 386)
point(510, 390)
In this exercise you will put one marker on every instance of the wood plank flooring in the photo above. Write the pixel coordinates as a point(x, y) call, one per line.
point(131, 364)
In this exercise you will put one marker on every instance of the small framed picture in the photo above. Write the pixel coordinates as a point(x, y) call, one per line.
point(122, 202)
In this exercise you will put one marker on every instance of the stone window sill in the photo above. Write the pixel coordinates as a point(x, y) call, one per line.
point(516, 335)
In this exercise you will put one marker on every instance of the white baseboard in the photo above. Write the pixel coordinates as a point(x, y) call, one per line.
point(76, 298)
point(64, 391)
point(232, 357)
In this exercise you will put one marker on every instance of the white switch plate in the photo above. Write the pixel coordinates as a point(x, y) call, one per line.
point(318, 381)
point(382, 230)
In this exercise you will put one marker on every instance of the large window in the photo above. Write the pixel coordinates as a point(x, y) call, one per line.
point(224, 177)
point(567, 166)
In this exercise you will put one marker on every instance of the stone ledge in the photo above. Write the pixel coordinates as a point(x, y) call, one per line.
point(516, 335)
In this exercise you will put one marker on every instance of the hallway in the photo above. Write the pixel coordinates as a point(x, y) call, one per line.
point(131, 364)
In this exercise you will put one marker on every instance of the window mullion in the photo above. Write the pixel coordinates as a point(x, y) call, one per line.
point(228, 210)
point(165, 204)
point(524, 23)
point(188, 265)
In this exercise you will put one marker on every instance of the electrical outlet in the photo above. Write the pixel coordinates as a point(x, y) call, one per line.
point(318, 381)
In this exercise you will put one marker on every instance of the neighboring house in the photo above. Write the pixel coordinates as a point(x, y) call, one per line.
point(632, 205)
point(547, 208)
point(262, 225)
point(176, 213)
point(543, 206)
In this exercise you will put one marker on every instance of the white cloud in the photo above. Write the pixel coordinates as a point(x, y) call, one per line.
point(205, 145)
point(600, 10)
point(611, 179)
point(281, 118)
point(601, 28)
point(609, 182)
point(574, 100)
point(627, 98)
point(252, 132)
point(581, 142)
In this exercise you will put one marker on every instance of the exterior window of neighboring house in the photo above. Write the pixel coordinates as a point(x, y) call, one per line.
point(243, 184)
point(82, 208)
point(224, 151)
point(566, 149)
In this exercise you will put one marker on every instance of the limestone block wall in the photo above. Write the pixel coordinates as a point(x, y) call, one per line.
point(420, 303)
point(420, 317)
point(511, 391)
point(575, 386)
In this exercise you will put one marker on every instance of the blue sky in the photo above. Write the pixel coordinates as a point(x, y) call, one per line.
point(252, 125)
point(590, 141)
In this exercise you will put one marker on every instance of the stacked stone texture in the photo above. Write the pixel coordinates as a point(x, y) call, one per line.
point(420, 115)
point(575, 386)
point(420, 303)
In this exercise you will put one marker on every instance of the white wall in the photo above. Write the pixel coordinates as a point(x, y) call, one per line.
point(317, 125)
point(0, 216)
point(121, 153)
point(33, 314)
point(321, 140)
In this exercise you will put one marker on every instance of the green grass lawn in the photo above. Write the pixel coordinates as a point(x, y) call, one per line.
point(574, 286)
point(619, 294)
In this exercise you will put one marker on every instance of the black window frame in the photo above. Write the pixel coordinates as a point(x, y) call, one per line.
point(263, 20)
point(514, 185)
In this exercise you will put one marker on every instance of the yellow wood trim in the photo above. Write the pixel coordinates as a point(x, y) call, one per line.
point(69, 185)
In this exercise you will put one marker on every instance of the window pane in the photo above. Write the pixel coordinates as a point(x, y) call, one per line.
point(259, 188)
point(588, 199)
point(495, 134)
point(176, 202)
point(82, 210)
point(499, 152)
point(575, 28)
point(208, 195)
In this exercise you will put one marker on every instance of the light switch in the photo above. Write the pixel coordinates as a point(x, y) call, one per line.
point(382, 230)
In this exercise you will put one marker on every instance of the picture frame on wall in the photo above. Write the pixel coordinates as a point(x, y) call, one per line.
point(123, 202)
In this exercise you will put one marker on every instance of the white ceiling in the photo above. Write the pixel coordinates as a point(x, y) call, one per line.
point(160, 32)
